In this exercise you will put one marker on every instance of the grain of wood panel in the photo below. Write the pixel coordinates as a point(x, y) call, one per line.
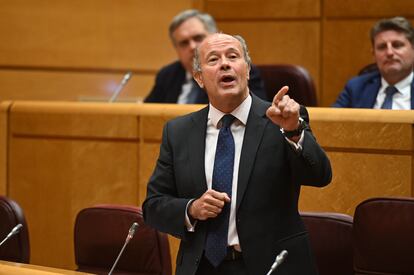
point(4, 117)
point(70, 86)
point(346, 49)
point(56, 178)
point(262, 9)
point(88, 33)
point(352, 172)
point(368, 8)
point(292, 42)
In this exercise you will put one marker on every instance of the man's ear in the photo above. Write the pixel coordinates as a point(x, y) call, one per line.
point(198, 78)
point(248, 72)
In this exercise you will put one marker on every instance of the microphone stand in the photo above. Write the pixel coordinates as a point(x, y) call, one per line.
point(131, 234)
point(278, 261)
point(124, 81)
point(13, 232)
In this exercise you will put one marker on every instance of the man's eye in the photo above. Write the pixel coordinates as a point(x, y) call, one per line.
point(183, 44)
point(397, 45)
point(381, 47)
point(199, 38)
point(212, 59)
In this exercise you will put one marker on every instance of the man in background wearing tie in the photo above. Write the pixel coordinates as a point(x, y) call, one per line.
point(228, 177)
point(391, 86)
point(174, 83)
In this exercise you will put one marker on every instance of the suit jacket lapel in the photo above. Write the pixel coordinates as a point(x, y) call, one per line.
point(197, 144)
point(256, 124)
point(372, 90)
point(175, 83)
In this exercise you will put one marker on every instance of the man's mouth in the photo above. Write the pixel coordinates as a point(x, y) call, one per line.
point(391, 61)
point(227, 80)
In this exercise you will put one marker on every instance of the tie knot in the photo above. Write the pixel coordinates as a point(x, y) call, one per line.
point(391, 90)
point(227, 120)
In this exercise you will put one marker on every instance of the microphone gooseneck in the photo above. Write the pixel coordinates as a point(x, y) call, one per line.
point(130, 235)
point(278, 261)
point(124, 81)
point(13, 232)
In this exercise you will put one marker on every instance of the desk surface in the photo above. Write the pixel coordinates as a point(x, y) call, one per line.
point(7, 268)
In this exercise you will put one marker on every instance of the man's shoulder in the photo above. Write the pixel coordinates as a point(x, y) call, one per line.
point(172, 67)
point(365, 78)
point(184, 120)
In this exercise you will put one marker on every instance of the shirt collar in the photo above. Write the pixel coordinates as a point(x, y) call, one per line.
point(241, 112)
point(188, 76)
point(401, 85)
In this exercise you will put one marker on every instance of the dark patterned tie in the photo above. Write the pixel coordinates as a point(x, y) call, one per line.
point(216, 244)
point(389, 91)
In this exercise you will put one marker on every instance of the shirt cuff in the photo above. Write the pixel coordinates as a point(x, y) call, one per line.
point(299, 145)
point(188, 224)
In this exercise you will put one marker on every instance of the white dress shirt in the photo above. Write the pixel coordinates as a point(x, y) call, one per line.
point(400, 100)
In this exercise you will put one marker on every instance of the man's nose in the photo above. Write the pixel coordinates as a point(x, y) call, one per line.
point(193, 44)
point(390, 49)
point(225, 64)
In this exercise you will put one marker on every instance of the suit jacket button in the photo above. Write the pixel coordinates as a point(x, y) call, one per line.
point(197, 260)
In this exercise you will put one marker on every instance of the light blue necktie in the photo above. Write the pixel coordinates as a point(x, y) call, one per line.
point(389, 91)
point(216, 243)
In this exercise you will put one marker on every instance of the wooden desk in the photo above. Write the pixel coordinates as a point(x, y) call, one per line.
point(7, 268)
point(57, 158)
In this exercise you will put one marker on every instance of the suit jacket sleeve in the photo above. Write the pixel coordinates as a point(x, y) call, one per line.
point(163, 209)
point(157, 92)
point(344, 98)
point(311, 166)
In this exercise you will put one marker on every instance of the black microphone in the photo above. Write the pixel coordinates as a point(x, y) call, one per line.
point(13, 232)
point(124, 81)
point(131, 234)
point(278, 261)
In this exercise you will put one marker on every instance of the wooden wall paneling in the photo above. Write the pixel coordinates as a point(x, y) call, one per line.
point(346, 50)
point(4, 117)
point(358, 176)
point(71, 85)
point(91, 33)
point(64, 158)
point(262, 9)
point(368, 8)
point(281, 42)
point(371, 153)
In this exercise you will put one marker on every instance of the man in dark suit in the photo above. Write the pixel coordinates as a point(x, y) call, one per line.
point(174, 83)
point(235, 206)
point(391, 86)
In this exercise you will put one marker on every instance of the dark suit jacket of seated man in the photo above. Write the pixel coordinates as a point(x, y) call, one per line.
point(170, 79)
point(275, 154)
point(362, 92)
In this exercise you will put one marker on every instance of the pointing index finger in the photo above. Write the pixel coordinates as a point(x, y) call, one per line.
point(280, 94)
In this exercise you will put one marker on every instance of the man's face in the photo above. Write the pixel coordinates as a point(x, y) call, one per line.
point(224, 71)
point(186, 38)
point(394, 55)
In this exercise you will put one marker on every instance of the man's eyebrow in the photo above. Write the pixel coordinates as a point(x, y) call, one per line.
point(228, 50)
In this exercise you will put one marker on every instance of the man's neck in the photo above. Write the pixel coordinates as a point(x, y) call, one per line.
point(393, 79)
